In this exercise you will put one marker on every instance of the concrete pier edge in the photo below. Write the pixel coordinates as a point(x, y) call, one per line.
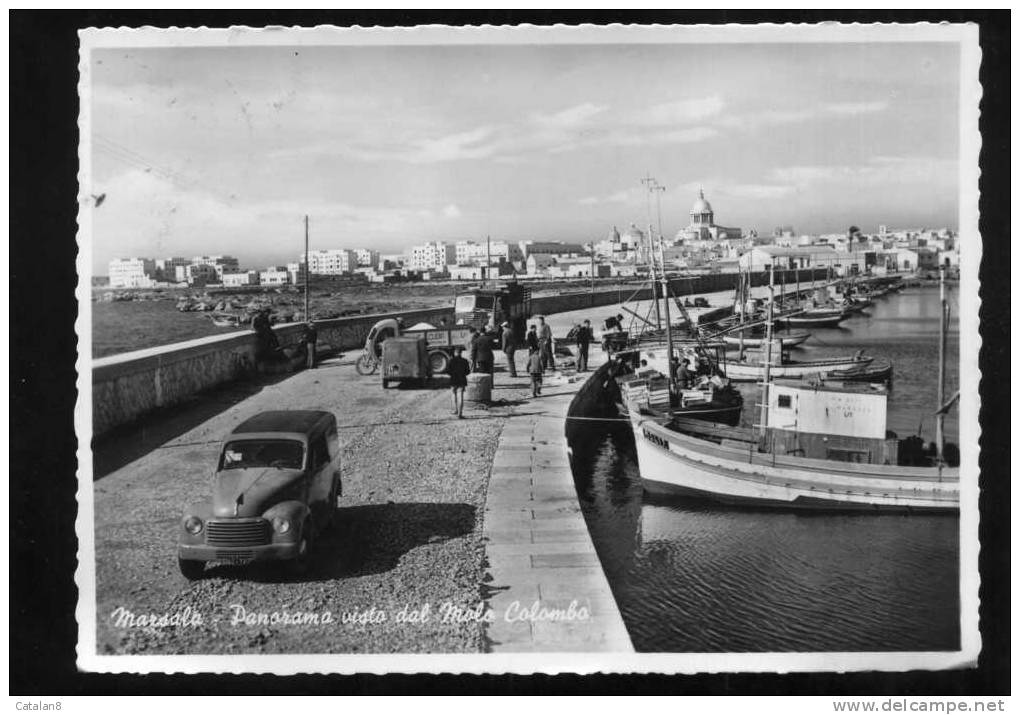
point(544, 580)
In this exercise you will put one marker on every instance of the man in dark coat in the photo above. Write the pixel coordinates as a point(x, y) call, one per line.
point(584, 337)
point(531, 339)
point(510, 347)
point(483, 352)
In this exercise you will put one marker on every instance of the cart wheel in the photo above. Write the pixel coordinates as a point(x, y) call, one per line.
point(438, 362)
point(191, 570)
point(366, 365)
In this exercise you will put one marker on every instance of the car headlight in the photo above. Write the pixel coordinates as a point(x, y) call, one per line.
point(281, 525)
point(193, 525)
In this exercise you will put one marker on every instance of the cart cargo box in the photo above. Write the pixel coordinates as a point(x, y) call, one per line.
point(404, 358)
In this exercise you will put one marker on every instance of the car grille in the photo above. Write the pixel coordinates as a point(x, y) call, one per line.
point(237, 533)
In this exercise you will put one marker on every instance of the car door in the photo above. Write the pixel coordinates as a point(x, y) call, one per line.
point(320, 474)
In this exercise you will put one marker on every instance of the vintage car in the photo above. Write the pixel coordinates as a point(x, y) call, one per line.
point(276, 487)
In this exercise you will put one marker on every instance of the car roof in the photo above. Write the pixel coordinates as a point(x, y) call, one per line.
point(301, 421)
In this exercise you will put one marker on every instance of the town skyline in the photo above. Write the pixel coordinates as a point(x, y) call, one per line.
point(387, 147)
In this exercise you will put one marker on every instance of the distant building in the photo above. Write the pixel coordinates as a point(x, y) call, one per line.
point(132, 272)
point(332, 262)
point(219, 263)
point(471, 252)
point(760, 258)
point(703, 226)
point(200, 274)
point(295, 273)
point(538, 263)
point(239, 279)
point(432, 256)
point(549, 248)
point(167, 269)
point(274, 276)
point(366, 257)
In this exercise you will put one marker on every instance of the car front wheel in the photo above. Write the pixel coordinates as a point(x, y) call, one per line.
point(298, 566)
point(191, 570)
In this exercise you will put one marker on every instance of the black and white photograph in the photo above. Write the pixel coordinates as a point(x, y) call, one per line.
point(618, 349)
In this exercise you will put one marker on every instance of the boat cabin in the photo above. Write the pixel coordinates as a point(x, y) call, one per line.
point(837, 421)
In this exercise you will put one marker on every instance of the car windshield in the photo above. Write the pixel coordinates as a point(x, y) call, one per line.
point(248, 453)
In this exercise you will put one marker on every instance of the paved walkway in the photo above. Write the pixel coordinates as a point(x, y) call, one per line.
point(541, 560)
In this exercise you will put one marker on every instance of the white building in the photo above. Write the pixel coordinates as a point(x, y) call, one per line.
point(470, 252)
point(240, 278)
point(760, 258)
point(432, 256)
point(274, 276)
point(332, 262)
point(296, 273)
point(539, 263)
point(367, 257)
point(132, 272)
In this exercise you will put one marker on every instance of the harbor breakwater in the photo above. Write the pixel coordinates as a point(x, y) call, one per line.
point(129, 385)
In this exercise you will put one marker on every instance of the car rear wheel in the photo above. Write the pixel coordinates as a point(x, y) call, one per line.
point(191, 570)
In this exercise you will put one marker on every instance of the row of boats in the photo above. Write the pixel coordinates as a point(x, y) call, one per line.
point(819, 439)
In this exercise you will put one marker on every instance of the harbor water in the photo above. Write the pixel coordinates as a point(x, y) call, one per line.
point(693, 576)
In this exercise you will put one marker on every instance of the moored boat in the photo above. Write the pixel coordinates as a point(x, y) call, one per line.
point(755, 363)
point(875, 372)
point(814, 318)
point(787, 340)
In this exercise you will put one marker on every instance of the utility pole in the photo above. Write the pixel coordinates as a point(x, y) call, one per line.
point(940, 416)
point(488, 258)
point(308, 273)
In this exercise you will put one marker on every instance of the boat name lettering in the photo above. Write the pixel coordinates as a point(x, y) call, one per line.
point(656, 439)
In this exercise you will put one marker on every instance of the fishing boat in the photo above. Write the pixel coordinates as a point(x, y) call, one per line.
point(817, 445)
point(225, 320)
point(814, 318)
point(649, 390)
point(752, 339)
point(875, 372)
point(772, 358)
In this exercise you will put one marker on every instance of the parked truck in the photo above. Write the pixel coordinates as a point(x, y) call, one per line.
point(476, 307)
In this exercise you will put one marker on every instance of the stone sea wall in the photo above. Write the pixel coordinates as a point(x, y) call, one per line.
point(127, 386)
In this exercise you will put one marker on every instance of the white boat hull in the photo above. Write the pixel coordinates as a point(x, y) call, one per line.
point(673, 463)
point(792, 370)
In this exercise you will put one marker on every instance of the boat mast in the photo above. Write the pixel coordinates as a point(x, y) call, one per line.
point(940, 416)
point(651, 183)
point(665, 295)
point(763, 421)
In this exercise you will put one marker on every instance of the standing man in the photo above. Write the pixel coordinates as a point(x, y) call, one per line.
point(510, 347)
point(472, 346)
point(483, 352)
point(458, 370)
point(584, 338)
point(545, 344)
point(309, 338)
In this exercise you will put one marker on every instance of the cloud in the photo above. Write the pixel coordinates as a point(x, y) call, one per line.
point(682, 111)
point(888, 170)
point(855, 107)
point(451, 211)
point(571, 117)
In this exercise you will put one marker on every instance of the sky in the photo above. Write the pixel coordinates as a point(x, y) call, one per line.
point(226, 149)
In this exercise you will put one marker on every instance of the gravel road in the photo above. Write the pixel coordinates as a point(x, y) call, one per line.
point(407, 535)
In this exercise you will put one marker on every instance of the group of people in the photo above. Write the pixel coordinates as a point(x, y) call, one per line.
point(538, 340)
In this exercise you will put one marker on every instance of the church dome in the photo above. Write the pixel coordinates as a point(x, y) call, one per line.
point(701, 206)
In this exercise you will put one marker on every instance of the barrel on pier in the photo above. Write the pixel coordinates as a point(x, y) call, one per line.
point(479, 387)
